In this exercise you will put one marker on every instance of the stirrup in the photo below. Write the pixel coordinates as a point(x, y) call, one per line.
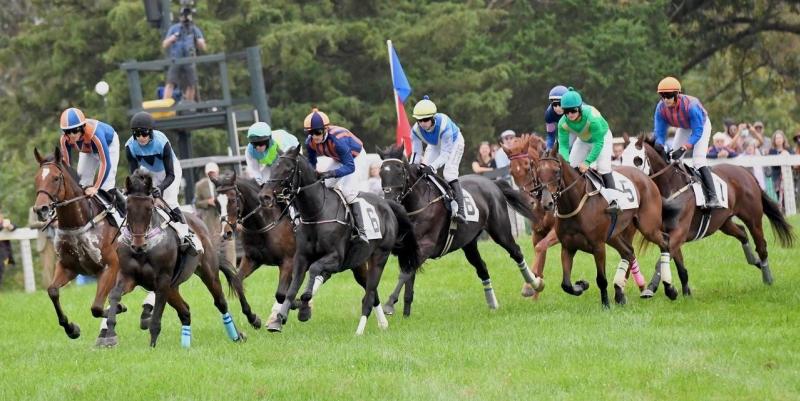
point(613, 208)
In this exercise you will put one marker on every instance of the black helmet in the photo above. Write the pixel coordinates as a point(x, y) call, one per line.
point(142, 119)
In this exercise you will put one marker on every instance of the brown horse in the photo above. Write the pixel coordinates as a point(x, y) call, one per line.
point(85, 242)
point(267, 236)
point(583, 224)
point(745, 199)
point(150, 256)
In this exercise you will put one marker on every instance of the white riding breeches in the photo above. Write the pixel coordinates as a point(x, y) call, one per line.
point(581, 149)
point(450, 172)
point(700, 149)
point(89, 163)
point(348, 184)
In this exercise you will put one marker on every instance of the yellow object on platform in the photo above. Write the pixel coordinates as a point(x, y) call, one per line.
point(156, 104)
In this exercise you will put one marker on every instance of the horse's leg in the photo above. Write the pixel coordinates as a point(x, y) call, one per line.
point(284, 280)
point(757, 231)
point(683, 274)
point(124, 285)
point(246, 268)
point(210, 276)
point(105, 282)
point(602, 283)
point(408, 294)
point(305, 308)
point(474, 258)
point(738, 231)
point(501, 234)
point(298, 274)
point(540, 255)
point(326, 263)
point(158, 310)
point(623, 245)
point(61, 277)
point(373, 272)
point(184, 315)
point(567, 256)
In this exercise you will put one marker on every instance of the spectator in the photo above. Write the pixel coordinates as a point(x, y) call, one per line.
point(730, 128)
point(500, 157)
point(720, 149)
point(616, 156)
point(483, 160)
point(764, 142)
point(374, 184)
point(6, 255)
point(780, 146)
point(182, 40)
point(750, 149)
point(44, 246)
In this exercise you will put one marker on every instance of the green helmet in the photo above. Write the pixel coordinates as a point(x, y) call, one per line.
point(571, 99)
point(259, 132)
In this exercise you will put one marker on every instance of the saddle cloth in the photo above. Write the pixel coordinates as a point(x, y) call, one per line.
point(371, 221)
point(626, 195)
point(719, 185)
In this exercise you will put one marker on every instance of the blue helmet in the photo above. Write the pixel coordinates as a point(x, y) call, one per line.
point(557, 92)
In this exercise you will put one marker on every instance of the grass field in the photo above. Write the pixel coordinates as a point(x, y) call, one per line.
point(734, 339)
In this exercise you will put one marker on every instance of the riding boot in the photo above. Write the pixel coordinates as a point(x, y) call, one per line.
point(358, 222)
point(119, 201)
point(608, 181)
point(459, 195)
point(188, 239)
point(712, 202)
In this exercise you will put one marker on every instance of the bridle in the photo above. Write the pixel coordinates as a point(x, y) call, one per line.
point(405, 188)
point(240, 209)
point(54, 202)
point(290, 188)
point(533, 180)
point(151, 231)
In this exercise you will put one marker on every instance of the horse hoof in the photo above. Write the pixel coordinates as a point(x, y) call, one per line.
point(144, 324)
point(256, 322)
point(242, 338)
point(687, 291)
point(144, 319)
point(121, 308)
point(305, 298)
point(304, 313)
point(647, 293)
point(388, 308)
point(766, 276)
point(606, 306)
point(275, 326)
point(106, 342)
point(671, 293)
point(527, 291)
point(295, 304)
point(74, 331)
point(583, 283)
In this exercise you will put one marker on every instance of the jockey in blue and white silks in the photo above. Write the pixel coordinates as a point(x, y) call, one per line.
point(264, 148)
point(445, 146)
point(98, 147)
point(150, 149)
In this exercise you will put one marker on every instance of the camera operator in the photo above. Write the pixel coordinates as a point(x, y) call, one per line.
point(182, 40)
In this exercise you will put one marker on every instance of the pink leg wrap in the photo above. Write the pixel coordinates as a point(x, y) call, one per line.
point(637, 275)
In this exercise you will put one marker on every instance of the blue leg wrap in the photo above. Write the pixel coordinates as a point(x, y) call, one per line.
point(186, 336)
point(227, 320)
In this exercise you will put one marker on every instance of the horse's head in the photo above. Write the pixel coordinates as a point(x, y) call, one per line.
point(226, 185)
point(395, 172)
point(549, 171)
point(53, 187)
point(289, 173)
point(140, 205)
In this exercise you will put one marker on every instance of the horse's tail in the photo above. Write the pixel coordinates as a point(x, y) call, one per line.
point(515, 199)
point(406, 247)
point(229, 270)
point(780, 226)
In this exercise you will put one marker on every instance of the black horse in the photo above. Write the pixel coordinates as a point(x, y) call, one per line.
point(149, 256)
point(267, 236)
point(323, 238)
point(425, 204)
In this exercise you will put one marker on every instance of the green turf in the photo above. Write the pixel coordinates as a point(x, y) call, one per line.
point(736, 338)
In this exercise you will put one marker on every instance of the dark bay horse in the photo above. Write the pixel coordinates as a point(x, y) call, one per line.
point(425, 204)
point(582, 223)
point(84, 242)
point(267, 236)
point(323, 239)
point(745, 198)
point(523, 153)
point(149, 256)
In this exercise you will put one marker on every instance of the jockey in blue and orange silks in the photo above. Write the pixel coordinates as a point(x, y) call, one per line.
point(693, 131)
point(345, 149)
point(98, 147)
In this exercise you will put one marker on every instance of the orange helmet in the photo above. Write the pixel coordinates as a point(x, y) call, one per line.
point(316, 120)
point(669, 84)
point(72, 118)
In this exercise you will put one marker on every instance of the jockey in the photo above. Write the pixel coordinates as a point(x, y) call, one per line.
point(264, 148)
point(98, 147)
point(150, 149)
point(587, 127)
point(693, 131)
point(344, 148)
point(553, 113)
point(445, 147)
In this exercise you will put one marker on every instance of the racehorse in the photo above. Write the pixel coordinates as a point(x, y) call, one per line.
point(267, 236)
point(323, 239)
point(84, 242)
point(149, 256)
point(583, 224)
point(523, 154)
point(437, 236)
point(745, 200)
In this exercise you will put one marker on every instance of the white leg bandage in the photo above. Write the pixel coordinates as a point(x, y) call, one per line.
point(666, 273)
point(619, 276)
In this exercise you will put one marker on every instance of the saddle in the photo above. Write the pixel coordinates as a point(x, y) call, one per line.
point(446, 190)
point(113, 206)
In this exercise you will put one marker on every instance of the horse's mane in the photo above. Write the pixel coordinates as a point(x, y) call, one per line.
point(139, 183)
point(648, 139)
